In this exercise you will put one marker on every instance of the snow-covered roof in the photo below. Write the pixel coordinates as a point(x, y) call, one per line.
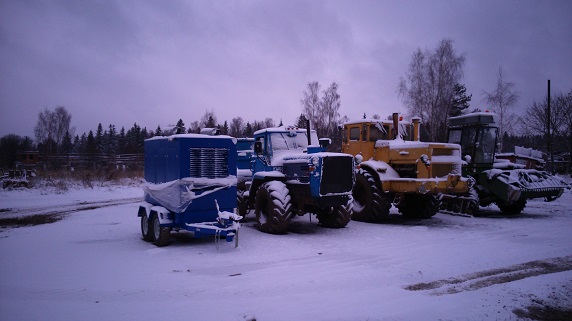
point(282, 129)
point(171, 137)
point(371, 120)
point(475, 117)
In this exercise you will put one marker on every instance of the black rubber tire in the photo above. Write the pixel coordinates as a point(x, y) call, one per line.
point(336, 216)
point(241, 202)
point(146, 231)
point(418, 206)
point(513, 208)
point(370, 203)
point(161, 235)
point(273, 208)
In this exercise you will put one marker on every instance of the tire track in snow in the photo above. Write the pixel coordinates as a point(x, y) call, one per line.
point(53, 213)
point(482, 279)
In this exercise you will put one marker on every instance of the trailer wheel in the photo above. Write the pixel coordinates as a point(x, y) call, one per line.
point(337, 216)
point(370, 204)
point(512, 209)
point(161, 234)
point(418, 206)
point(146, 231)
point(273, 208)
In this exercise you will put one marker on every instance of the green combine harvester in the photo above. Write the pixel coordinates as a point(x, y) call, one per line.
point(506, 184)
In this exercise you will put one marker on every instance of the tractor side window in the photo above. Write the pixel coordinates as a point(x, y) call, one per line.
point(354, 133)
point(455, 136)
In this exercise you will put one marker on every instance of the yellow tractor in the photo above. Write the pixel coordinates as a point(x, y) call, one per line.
point(395, 168)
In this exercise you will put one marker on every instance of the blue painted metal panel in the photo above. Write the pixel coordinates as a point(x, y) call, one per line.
point(168, 159)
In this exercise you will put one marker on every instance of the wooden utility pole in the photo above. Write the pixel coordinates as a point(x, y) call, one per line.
point(548, 133)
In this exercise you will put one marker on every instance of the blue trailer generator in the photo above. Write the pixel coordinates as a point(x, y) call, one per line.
point(190, 185)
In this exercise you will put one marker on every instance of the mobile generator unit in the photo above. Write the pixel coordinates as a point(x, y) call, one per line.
point(190, 185)
point(291, 176)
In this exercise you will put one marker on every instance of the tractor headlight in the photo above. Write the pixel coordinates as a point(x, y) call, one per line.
point(315, 161)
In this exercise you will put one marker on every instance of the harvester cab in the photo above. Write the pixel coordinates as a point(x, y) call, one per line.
point(477, 134)
point(506, 184)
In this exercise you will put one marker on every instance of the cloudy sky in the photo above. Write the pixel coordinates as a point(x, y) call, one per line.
point(154, 62)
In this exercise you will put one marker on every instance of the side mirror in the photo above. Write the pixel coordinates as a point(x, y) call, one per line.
point(325, 142)
point(258, 147)
point(468, 159)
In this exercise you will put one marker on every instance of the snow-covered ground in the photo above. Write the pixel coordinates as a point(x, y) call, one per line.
point(93, 265)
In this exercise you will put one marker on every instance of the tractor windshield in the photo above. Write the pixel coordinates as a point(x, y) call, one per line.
point(286, 141)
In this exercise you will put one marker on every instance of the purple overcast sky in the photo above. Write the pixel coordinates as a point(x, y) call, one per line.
point(154, 62)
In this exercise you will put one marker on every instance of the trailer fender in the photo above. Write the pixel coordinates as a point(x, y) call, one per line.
point(144, 209)
point(163, 214)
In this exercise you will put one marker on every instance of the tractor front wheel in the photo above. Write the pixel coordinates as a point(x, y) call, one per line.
point(336, 216)
point(273, 207)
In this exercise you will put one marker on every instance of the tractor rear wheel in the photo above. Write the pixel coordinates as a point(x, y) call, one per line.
point(273, 208)
point(370, 203)
point(418, 206)
point(336, 216)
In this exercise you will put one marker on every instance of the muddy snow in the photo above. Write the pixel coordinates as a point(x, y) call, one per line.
point(79, 256)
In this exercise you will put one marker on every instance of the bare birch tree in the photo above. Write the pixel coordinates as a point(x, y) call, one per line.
point(311, 103)
point(535, 120)
point(236, 127)
point(328, 112)
point(501, 100)
point(428, 88)
point(52, 126)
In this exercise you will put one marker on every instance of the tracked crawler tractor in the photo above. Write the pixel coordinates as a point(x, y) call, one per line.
point(395, 168)
point(506, 184)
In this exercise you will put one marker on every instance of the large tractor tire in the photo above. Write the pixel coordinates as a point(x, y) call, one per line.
point(161, 235)
point(513, 208)
point(418, 206)
point(273, 208)
point(242, 200)
point(336, 216)
point(370, 203)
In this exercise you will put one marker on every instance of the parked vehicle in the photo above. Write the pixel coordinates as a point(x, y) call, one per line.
point(498, 181)
point(191, 186)
point(292, 175)
point(395, 168)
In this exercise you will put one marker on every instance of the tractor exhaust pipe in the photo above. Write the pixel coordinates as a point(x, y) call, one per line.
point(416, 122)
point(395, 125)
point(308, 132)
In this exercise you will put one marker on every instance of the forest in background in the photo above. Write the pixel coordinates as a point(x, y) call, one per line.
point(432, 89)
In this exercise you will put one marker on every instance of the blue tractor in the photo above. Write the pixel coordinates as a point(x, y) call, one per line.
point(190, 185)
point(291, 176)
